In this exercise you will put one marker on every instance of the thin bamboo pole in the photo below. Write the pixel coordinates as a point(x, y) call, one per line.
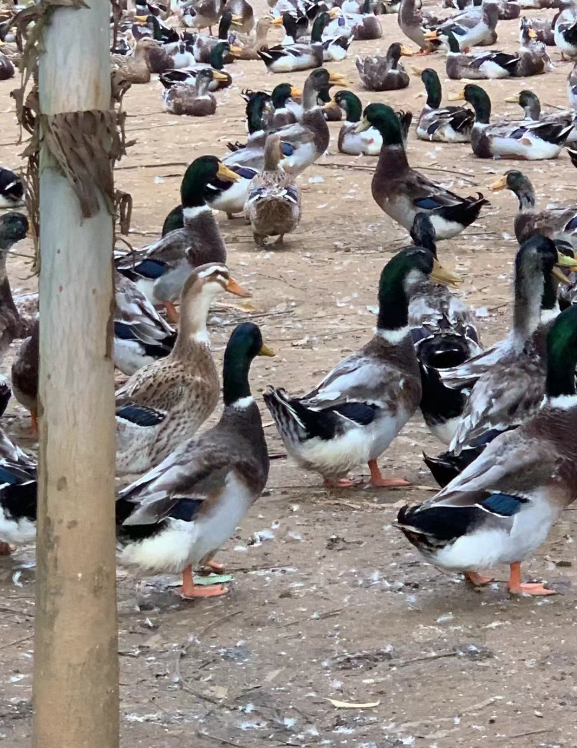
point(76, 661)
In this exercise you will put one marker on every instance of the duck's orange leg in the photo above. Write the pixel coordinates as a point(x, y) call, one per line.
point(378, 480)
point(518, 588)
point(171, 314)
point(190, 590)
point(5, 548)
point(214, 565)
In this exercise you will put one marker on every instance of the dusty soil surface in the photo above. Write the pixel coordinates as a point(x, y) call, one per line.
point(330, 602)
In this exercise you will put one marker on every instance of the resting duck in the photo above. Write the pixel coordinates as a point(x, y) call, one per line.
point(273, 206)
point(506, 381)
point(558, 224)
point(445, 335)
point(141, 336)
point(177, 516)
point(413, 24)
point(303, 142)
point(450, 124)
point(167, 263)
point(353, 415)
point(529, 141)
point(402, 192)
point(193, 100)
point(13, 228)
point(368, 26)
point(384, 73)
point(175, 56)
point(351, 142)
point(531, 105)
point(532, 59)
point(7, 69)
point(502, 507)
point(472, 27)
point(165, 403)
point(203, 45)
point(565, 33)
point(11, 189)
point(298, 56)
point(221, 79)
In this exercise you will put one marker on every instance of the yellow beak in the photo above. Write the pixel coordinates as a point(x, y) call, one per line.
point(296, 92)
point(265, 350)
point(277, 21)
point(417, 71)
point(227, 174)
point(431, 35)
point(235, 288)
point(439, 273)
point(363, 125)
point(218, 76)
point(237, 20)
point(457, 97)
point(141, 19)
point(532, 34)
point(337, 79)
point(500, 184)
point(566, 261)
point(331, 105)
point(512, 99)
point(406, 51)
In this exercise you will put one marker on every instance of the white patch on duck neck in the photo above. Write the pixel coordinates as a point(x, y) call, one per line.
point(548, 315)
point(393, 336)
point(564, 402)
point(189, 214)
point(243, 402)
point(202, 337)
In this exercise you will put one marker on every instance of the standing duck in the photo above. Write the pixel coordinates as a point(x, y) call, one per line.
point(273, 206)
point(402, 192)
point(558, 224)
point(13, 228)
point(445, 335)
point(353, 415)
point(177, 516)
point(412, 24)
point(529, 141)
point(450, 124)
point(168, 262)
point(502, 507)
point(384, 73)
point(202, 14)
point(165, 403)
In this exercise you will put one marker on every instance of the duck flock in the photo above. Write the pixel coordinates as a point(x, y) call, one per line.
point(505, 416)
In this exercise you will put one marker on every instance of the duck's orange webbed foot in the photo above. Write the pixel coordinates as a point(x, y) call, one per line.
point(191, 591)
point(516, 587)
point(214, 566)
point(378, 480)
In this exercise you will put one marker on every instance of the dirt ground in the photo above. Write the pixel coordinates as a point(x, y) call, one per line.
point(328, 600)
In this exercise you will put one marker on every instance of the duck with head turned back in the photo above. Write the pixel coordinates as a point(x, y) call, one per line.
point(558, 225)
point(177, 516)
point(402, 192)
point(502, 507)
point(353, 415)
point(166, 402)
point(449, 124)
point(167, 263)
point(384, 73)
point(529, 141)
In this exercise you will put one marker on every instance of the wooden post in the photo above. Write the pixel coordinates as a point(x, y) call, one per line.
point(76, 652)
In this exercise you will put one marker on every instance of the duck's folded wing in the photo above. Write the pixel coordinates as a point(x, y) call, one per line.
point(194, 474)
point(466, 374)
point(504, 397)
point(170, 248)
